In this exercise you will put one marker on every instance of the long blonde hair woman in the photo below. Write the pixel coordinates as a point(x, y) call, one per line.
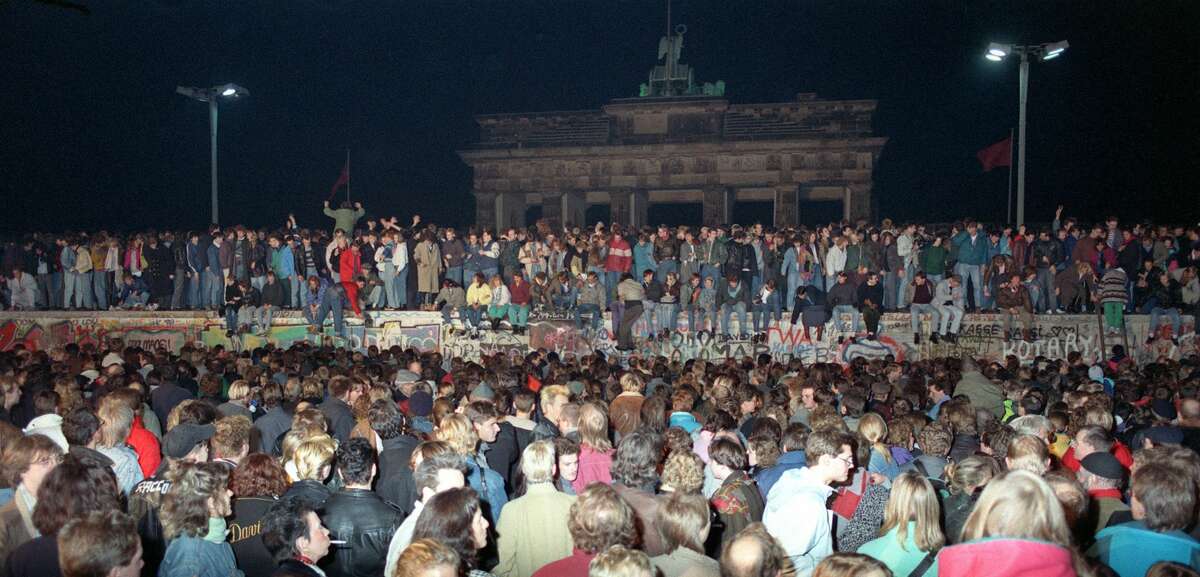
point(911, 526)
point(1024, 531)
point(456, 430)
point(874, 430)
point(311, 460)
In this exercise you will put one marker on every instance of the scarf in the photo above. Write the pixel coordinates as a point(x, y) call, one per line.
point(216, 530)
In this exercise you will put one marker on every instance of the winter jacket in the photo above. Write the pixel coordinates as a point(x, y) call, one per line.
point(1131, 548)
point(971, 251)
point(797, 517)
point(272, 294)
point(344, 218)
point(594, 467)
point(533, 531)
point(1008, 298)
point(946, 294)
point(933, 260)
point(454, 297)
point(197, 557)
point(592, 294)
point(1003, 557)
point(984, 394)
point(732, 296)
point(245, 535)
point(480, 294)
point(841, 294)
point(361, 518)
point(901, 557)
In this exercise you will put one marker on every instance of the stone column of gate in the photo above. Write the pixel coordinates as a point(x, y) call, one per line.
point(618, 205)
point(717, 205)
point(552, 209)
point(486, 215)
point(787, 206)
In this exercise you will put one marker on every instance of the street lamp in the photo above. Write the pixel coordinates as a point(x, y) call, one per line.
point(211, 96)
point(997, 52)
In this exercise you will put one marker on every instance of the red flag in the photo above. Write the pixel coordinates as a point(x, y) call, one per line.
point(999, 154)
point(342, 180)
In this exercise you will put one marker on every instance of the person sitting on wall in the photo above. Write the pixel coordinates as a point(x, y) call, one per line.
point(452, 298)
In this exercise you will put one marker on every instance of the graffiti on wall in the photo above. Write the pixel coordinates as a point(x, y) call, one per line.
point(980, 336)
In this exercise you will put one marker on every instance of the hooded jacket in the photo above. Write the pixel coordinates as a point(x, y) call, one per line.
point(1130, 548)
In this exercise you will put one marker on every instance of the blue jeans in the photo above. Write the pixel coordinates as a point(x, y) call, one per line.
point(455, 273)
point(562, 302)
point(56, 291)
point(231, 318)
point(296, 285)
point(696, 316)
point(597, 315)
point(447, 312)
point(972, 272)
point(915, 320)
point(611, 278)
point(902, 284)
point(1045, 281)
point(649, 309)
point(334, 302)
point(195, 295)
point(472, 317)
point(709, 271)
point(135, 299)
point(668, 316)
point(727, 310)
point(100, 289)
point(855, 317)
point(399, 294)
point(764, 313)
point(518, 315)
point(387, 273)
point(1171, 313)
point(664, 267)
point(890, 280)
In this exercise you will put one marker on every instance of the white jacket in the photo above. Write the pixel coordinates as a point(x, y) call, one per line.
point(399, 255)
point(795, 515)
point(49, 425)
point(500, 296)
point(835, 260)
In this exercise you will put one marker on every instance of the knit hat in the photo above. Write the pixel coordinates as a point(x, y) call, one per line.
point(405, 376)
point(483, 391)
point(420, 404)
point(180, 441)
point(1103, 464)
point(1096, 373)
point(1164, 409)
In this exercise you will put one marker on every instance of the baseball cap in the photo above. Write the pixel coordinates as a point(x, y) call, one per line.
point(180, 441)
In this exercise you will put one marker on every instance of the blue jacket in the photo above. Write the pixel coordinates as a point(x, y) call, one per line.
point(643, 259)
point(685, 421)
point(1130, 548)
point(766, 478)
point(195, 557)
point(213, 252)
point(972, 253)
point(490, 486)
point(137, 286)
point(194, 258)
point(287, 264)
point(67, 259)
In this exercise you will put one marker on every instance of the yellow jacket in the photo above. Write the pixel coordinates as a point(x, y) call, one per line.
point(479, 294)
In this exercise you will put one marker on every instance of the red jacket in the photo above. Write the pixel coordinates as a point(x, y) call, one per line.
point(349, 265)
point(145, 444)
point(620, 256)
point(519, 292)
point(1119, 450)
point(1003, 557)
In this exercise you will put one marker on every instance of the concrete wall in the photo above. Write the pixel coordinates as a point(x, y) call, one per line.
point(981, 336)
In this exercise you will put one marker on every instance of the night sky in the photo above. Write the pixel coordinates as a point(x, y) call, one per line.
point(94, 136)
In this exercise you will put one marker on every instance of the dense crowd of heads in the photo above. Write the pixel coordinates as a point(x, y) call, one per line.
point(124, 461)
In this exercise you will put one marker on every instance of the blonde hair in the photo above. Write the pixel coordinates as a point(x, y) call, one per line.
point(620, 561)
point(631, 383)
point(423, 556)
point(1029, 453)
point(312, 456)
point(537, 462)
point(683, 471)
point(873, 428)
point(914, 499)
point(456, 430)
point(239, 389)
point(231, 436)
point(116, 420)
point(970, 474)
point(683, 520)
point(1018, 504)
point(851, 565)
point(548, 394)
point(593, 426)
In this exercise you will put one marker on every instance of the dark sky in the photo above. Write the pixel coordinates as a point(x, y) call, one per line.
point(93, 134)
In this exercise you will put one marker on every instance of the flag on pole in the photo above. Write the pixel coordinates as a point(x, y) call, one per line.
point(998, 154)
point(342, 180)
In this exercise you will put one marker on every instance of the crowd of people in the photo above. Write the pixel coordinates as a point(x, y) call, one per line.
point(320, 461)
point(732, 281)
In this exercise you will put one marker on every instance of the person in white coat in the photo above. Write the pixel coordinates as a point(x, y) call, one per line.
point(835, 260)
point(795, 512)
point(23, 288)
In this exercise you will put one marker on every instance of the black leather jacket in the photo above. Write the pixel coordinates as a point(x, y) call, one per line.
point(366, 523)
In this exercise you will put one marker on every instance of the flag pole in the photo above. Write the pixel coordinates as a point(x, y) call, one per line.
point(1010, 175)
point(348, 174)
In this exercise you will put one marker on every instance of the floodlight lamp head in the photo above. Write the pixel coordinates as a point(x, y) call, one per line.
point(1054, 49)
point(993, 57)
point(230, 91)
point(999, 50)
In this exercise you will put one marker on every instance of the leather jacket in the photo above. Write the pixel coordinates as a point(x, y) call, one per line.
point(366, 522)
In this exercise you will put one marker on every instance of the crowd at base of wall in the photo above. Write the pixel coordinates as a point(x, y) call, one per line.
point(981, 335)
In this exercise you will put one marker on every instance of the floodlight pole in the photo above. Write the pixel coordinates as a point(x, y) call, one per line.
point(212, 130)
point(1024, 89)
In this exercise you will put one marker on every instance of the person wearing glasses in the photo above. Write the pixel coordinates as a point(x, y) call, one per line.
point(795, 511)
